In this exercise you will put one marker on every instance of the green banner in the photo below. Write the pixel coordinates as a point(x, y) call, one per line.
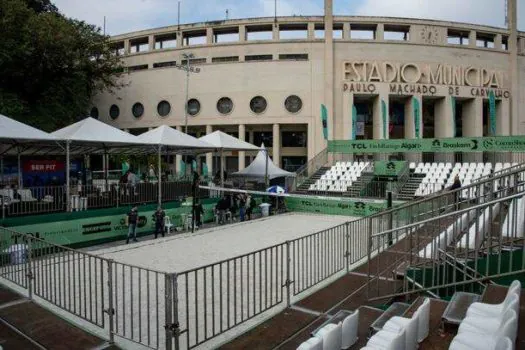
point(334, 206)
point(384, 115)
point(417, 117)
point(182, 171)
point(105, 228)
point(453, 105)
point(492, 113)
point(124, 167)
point(458, 144)
point(354, 122)
point(324, 121)
point(389, 168)
point(204, 170)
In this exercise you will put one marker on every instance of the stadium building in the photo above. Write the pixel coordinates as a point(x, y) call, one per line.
point(294, 82)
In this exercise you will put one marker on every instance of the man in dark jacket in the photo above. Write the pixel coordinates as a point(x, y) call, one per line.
point(199, 210)
point(456, 186)
point(159, 221)
point(133, 217)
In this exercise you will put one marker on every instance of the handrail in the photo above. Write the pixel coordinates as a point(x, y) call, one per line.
point(303, 172)
point(455, 213)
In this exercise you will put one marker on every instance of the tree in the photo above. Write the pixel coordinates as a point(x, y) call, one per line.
point(51, 66)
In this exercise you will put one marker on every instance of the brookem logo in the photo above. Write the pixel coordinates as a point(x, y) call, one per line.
point(360, 205)
point(391, 166)
point(436, 143)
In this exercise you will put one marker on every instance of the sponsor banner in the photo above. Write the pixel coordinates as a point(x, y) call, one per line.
point(71, 232)
point(389, 168)
point(334, 206)
point(354, 122)
point(458, 144)
point(492, 113)
point(43, 166)
point(417, 117)
point(324, 121)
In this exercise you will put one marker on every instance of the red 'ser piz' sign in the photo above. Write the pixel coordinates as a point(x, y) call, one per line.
point(43, 166)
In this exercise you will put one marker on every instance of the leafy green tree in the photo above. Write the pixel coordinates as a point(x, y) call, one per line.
point(51, 66)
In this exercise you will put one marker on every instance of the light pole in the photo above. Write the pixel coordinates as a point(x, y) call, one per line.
point(188, 69)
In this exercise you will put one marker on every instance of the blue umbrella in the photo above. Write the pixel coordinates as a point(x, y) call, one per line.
point(275, 189)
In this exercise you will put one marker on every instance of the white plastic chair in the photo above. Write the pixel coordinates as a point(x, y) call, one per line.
point(493, 310)
point(349, 330)
point(331, 335)
point(480, 342)
point(168, 225)
point(501, 325)
point(386, 340)
point(313, 343)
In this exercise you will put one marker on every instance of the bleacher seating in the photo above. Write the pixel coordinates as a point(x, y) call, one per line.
point(339, 177)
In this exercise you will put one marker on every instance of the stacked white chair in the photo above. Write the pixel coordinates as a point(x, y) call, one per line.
point(487, 326)
point(334, 336)
point(415, 329)
point(435, 178)
point(396, 342)
point(340, 177)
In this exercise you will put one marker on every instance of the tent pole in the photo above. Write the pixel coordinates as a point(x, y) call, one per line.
point(20, 182)
point(160, 176)
point(222, 168)
point(105, 166)
point(2, 168)
point(68, 189)
point(266, 180)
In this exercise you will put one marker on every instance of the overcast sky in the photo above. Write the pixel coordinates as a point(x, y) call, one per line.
point(130, 15)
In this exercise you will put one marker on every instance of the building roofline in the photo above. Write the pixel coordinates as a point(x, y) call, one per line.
point(294, 19)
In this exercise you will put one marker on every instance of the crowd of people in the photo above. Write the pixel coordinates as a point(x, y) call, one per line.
point(241, 202)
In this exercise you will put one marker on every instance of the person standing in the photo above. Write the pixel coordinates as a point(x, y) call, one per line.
point(199, 211)
point(242, 207)
point(133, 217)
point(159, 221)
point(455, 187)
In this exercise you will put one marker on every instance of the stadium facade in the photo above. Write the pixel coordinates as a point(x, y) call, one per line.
point(271, 80)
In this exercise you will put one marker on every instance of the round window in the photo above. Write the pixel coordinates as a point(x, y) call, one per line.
point(94, 113)
point(258, 104)
point(163, 108)
point(137, 110)
point(293, 104)
point(194, 107)
point(114, 112)
point(225, 105)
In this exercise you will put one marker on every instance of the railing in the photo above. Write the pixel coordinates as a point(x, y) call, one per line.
point(452, 251)
point(313, 165)
point(39, 200)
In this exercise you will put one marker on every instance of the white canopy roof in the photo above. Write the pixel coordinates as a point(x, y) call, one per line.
point(12, 130)
point(226, 142)
point(172, 138)
point(93, 131)
point(258, 168)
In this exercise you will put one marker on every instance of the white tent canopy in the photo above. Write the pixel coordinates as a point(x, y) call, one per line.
point(226, 142)
point(173, 139)
point(90, 130)
point(257, 168)
point(12, 130)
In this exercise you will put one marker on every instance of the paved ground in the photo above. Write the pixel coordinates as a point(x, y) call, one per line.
point(26, 325)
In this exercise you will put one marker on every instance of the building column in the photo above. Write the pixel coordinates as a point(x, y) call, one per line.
point(378, 115)
point(151, 42)
point(178, 38)
point(276, 145)
point(472, 38)
point(348, 101)
point(242, 154)
point(209, 156)
point(515, 122)
point(444, 125)
point(275, 32)
point(126, 47)
point(380, 32)
point(209, 36)
point(310, 136)
point(329, 66)
point(473, 124)
point(410, 127)
point(346, 30)
point(311, 31)
point(502, 117)
point(178, 157)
